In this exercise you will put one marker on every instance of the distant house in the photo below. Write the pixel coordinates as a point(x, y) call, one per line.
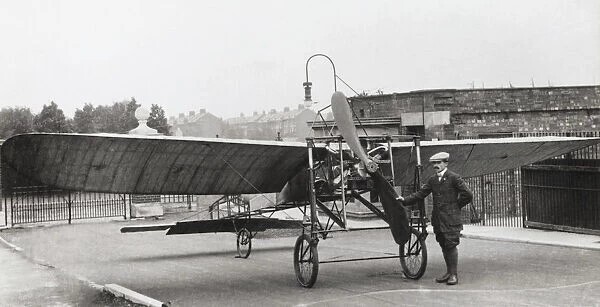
point(288, 125)
point(243, 127)
point(202, 124)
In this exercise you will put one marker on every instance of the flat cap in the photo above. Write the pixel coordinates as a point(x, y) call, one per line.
point(440, 156)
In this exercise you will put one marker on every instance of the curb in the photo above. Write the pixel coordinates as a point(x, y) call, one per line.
point(132, 296)
point(10, 245)
point(479, 237)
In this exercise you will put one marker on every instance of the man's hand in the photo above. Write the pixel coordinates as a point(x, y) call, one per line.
point(400, 198)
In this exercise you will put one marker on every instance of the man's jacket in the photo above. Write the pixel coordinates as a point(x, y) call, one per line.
point(450, 194)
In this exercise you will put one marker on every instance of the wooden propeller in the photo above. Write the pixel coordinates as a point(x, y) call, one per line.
point(343, 118)
point(396, 214)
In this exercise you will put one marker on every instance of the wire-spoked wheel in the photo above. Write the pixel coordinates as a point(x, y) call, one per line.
point(244, 243)
point(413, 255)
point(306, 261)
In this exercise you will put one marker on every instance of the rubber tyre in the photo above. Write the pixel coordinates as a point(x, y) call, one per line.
point(306, 261)
point(244, 243)
point(413, 256)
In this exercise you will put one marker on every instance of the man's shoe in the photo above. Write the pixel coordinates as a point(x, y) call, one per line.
point(443, 278)
point(452, 280)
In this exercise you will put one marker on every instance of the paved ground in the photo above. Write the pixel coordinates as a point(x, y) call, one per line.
point(201, 269)
point(26, 282)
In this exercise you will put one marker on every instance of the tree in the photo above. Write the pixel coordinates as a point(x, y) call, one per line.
point(83, 121)
point(51, 119)
point(15, 121)
point(121, 117)
point(118, 118)
point(130, 120)
point(157, 119)
point(102, 119)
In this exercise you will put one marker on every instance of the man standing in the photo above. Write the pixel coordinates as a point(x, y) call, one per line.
point(450, 194)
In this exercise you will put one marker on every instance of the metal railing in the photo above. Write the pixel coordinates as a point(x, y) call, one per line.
point(40, 204)
point(497, 199)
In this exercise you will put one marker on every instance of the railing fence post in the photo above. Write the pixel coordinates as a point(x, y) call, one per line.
point(69, 206)
point(482, 187)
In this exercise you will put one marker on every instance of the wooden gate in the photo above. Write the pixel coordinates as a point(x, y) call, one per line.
point(562, 197)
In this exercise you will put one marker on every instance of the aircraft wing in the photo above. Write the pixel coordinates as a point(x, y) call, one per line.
point(484, 156)
point(118, 163)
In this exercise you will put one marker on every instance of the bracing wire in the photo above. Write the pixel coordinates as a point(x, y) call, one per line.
point(250, 183)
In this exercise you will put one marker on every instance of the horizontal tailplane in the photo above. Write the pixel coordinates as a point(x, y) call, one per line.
point(143, 228)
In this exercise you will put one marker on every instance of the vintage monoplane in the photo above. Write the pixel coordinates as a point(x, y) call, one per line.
point(319, 177)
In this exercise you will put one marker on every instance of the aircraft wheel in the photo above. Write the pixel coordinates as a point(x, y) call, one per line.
point(413, 255)
point(244, 243)
point(306, 261)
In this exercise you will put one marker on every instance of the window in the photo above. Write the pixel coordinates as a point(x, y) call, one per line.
point(415, 130)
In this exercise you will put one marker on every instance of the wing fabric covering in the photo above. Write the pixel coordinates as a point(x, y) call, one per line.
point(149, 165)
point(471, 158)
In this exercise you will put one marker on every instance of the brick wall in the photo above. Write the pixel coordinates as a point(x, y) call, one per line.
point(488, 111)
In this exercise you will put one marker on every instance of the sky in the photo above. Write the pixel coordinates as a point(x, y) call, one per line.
point(233, 57)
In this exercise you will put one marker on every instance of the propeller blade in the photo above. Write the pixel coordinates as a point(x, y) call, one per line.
point(393, 208)
point(343, 117)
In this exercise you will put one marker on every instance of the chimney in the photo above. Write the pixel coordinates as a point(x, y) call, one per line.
point(192, 113)
point(300, 107)
point(181, 115)
point(286, 109)
point(254, 113)
point(202, 111)
point(273, 111)
point(241, 114)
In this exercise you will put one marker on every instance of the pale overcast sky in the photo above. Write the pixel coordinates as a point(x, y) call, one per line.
point(244, 56)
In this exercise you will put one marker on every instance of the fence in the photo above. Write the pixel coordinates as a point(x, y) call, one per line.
point(561, 193)
point(557, 194)
point(497, 199)
point(41, 204)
